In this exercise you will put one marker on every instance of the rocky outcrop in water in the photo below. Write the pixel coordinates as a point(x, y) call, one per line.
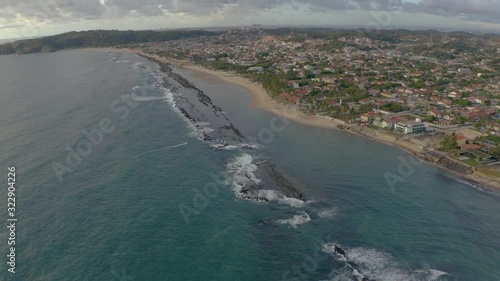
point(199, 109)
point(285, 186)
point(339, 251)
point(226, 130)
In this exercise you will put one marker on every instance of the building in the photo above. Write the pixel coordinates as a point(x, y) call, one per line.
point(461, 140)
point(464, 71)
point(256, 69)
point(384, 122)
point(479, 156)
point(410, 127)
point(367, 117)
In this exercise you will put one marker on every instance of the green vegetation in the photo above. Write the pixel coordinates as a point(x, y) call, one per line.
point(97, 38)
point(490, 172)
point(393, 107)
point(471, 162)
point(449, 143)
point(418, 84)
point(490, 138)
point(225, 66)
point(430, 118)
point(462, 102)
point(273, 83)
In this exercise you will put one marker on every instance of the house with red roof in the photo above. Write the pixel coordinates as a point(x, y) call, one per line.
point(461, 140)
point(466, 147)
point(369, 116)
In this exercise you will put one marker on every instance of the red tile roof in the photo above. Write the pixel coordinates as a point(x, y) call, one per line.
point(470, 146)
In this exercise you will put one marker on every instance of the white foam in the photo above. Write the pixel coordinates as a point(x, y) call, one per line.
point(168, 97)
point(301, 218)
point(144, 99)
point(345, 274)
point(249, 146)
point(292, 202)
point(378, 265)
point(179, 145)
point(327, 213)
point(235, 147)
point(201, 124)
point(165, 148)
point(436, 274)
point(244, 170)
point(218, 146)
point(275, 196)
point(230, 147)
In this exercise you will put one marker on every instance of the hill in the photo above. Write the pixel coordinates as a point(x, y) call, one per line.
point(96, 38)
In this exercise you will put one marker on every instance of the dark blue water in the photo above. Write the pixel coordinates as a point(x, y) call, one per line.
point(142, 201)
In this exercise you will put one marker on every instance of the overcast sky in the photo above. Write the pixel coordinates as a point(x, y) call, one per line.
point(28, 18)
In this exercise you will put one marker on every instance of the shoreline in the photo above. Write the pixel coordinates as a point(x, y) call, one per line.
point(262, 100)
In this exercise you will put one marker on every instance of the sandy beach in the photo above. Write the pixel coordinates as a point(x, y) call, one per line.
point(262, 100)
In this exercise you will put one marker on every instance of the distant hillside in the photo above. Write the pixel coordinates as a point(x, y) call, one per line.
point(97, 38)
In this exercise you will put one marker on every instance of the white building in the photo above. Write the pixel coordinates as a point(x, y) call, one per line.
point(410, 127)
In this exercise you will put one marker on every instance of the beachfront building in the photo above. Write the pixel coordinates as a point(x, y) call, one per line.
point(384, 122)
point(410, 127)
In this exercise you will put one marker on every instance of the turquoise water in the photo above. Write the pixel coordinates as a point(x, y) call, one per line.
point(117, 214)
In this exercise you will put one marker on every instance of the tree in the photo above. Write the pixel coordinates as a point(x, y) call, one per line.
point(495, 151)
point(430, 118)
point(462, 102)
point(449, 143)
point(481, 123)
point(393, 107)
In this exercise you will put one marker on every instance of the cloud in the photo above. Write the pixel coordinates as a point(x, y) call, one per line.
point(476, 10)
point(59, 11)
point(47, 10)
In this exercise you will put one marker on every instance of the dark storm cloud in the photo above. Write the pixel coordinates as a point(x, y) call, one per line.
point(481, 10)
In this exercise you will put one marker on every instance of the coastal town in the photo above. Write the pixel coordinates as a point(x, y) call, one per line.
point(439, 92)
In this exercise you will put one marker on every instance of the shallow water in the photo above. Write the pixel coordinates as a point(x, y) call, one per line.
point(137, 205)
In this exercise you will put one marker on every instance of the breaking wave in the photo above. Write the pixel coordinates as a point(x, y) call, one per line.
point(246, 183)
point(244, 170)
point(295, 221)
point(376, 265)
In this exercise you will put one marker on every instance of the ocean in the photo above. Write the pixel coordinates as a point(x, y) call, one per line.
point(129, 171)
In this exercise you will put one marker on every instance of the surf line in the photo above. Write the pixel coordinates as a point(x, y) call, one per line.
point(165, 148)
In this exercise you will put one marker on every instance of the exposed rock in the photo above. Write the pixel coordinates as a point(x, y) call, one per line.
point(339, 251)
point(344, 127)
point(455, 166)
point(285, 186)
